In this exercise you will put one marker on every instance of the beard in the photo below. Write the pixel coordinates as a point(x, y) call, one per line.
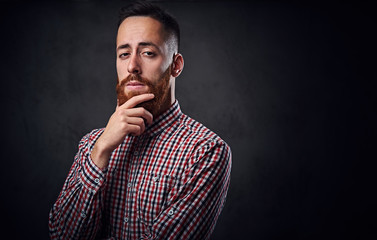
point(160, 89)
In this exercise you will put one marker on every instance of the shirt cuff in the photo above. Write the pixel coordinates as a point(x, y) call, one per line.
point(92, 176)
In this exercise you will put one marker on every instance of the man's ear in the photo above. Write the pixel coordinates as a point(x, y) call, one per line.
point(177, 65)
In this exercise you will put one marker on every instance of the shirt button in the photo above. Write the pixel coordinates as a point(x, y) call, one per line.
point(96, 180)
point(136, 153)
point(83, 215)
point(171, 212)
point(126, 220)
point(129, 185)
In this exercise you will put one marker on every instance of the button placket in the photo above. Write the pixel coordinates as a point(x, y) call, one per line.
point(138, 146)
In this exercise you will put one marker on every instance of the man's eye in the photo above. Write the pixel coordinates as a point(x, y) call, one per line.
point(123, 55)
point(148, 54)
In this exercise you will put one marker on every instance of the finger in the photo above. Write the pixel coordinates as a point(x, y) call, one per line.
point(136, 121)
point(147, 116)
point(135, 130)
point(140, 112)
point(137, 100)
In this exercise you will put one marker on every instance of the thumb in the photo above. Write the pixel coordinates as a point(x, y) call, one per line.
point(117, 104)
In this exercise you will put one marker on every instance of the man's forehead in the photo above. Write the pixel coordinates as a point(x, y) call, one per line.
point(140, 29)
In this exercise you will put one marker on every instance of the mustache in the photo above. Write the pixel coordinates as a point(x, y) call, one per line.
point(134, 77)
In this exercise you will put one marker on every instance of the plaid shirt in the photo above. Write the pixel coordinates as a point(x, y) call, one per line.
point(169, 183)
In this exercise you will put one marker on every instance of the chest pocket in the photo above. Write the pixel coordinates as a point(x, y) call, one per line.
point(152, 194)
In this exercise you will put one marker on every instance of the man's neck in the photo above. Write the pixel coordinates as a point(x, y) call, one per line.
point(165, 106)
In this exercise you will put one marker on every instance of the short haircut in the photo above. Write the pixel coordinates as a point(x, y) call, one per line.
point(147, 9)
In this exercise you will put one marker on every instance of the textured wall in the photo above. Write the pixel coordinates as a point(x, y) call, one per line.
point(288, 86)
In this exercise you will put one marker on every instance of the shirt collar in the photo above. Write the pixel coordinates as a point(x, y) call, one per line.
point(165, 120)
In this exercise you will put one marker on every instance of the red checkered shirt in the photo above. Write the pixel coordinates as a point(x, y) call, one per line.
point(169, 183)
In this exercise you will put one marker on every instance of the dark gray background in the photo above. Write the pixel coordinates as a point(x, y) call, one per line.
point(290, 87)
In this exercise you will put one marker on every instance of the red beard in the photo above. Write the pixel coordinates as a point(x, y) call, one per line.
point(161, 91)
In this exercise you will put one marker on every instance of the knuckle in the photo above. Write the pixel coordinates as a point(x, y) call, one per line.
point(140, 121)
point(121, 112)
point(138, 129)
point(123, 118)
point(123, 125)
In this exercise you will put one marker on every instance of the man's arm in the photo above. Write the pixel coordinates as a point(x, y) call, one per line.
point(193, 208)
point(77, 212)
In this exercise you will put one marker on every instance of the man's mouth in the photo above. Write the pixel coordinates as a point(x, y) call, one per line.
point(135, 86)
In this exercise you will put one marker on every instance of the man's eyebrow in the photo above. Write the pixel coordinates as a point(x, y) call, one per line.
point(144, 44)
point(123, 46)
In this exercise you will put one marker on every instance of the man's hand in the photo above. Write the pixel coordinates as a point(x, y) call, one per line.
point(125, 120)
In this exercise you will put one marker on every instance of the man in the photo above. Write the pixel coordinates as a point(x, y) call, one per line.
point(153, 172)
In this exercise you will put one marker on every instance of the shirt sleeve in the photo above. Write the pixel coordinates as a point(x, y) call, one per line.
point(195, 205)
point(77, 212)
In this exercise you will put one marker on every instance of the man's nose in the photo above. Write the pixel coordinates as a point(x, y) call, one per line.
point(134, 65)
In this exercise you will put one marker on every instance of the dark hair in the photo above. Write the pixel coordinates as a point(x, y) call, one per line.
point(146, 9)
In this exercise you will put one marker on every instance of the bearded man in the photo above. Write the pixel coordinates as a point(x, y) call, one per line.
point(153, 172)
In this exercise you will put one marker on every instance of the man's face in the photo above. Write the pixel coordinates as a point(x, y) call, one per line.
point(143, 62)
